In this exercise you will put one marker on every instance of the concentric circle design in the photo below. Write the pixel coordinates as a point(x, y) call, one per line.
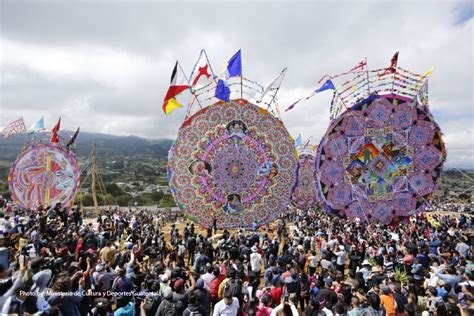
point(44, 175)
point(380, 160)
point(234, 169)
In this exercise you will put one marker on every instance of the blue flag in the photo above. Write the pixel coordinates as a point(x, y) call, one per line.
point(38, 126)
point(234, 66)
point(298, 141)
point(328, 85)
point(233, 69)
point(222, 91)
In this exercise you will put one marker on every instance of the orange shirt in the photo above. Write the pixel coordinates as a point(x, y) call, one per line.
point(389, 303)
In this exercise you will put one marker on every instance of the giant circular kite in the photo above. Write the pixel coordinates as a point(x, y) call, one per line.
point(304, 195)
point(44, 174)
point(233, 162)
point(379, 161)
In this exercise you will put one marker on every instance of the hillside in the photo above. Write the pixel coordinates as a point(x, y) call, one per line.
point(106, 144)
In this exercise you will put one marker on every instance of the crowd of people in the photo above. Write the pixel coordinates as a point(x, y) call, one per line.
point(134, 262)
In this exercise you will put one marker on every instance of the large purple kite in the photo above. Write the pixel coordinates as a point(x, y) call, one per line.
point(379, 160)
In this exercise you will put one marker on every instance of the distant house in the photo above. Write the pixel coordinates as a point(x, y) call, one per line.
point(163, 188)
point(84, 190)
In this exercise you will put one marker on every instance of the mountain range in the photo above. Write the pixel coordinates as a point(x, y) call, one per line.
point(106, 144)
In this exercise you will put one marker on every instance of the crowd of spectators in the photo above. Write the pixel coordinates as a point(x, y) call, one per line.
point(134, 262)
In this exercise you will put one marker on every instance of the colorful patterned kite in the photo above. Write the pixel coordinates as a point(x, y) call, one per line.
point(304, 196)
point(233, 162)
point(380, 159)
point(44, 174)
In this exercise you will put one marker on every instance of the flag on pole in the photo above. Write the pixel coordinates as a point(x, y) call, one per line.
point(38, 126)
point(202, 72)
point(55, 136)
point(298, 141)
point(393, 66)
point(306, 143)
point(178, 84)
point(233, 69)
point(394, 61)
point(427, 74)
point(73, 138)
point(15, 127)
point(360, 66)
point(274, 84)
point(328, 85)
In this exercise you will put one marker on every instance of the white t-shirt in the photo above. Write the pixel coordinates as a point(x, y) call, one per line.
point(341, 257)
point(222, 309)
point(256, 261)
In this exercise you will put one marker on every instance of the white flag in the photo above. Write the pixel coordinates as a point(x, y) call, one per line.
point(202, 73)
point(274, 84)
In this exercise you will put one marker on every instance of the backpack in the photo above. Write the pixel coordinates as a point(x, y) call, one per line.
point(193, 313)
point(220, 291)
point(170, 309)
point(235, 288)
point(151, 304)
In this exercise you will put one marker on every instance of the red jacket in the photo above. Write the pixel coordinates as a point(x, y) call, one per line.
point(214, 288)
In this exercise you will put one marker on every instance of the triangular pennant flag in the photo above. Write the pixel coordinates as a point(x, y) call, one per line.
point(394, 61)
point(178, 84)
point(55, 136)
point(73, 138)
point(328, 85)
point(427, 74)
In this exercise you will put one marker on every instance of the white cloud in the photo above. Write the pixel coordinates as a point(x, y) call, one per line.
point(106, 66)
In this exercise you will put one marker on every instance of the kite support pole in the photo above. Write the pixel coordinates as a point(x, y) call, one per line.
point(94, 195)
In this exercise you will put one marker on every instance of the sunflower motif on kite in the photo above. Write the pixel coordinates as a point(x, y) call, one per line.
point(233, 162)
point(380, 159)
point(44, 174)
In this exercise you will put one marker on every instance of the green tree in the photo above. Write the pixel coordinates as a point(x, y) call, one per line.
point(87, 200)
point(124, 199)
point(113, 189)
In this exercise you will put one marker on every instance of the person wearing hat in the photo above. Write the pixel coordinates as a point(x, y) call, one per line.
point(203, 296)
point(103, 277)
point(365, 270)
point(164, 282)
point(180, 293)
point(108, 253)
point(376, 277)
point(388, 301)
point(256, 262)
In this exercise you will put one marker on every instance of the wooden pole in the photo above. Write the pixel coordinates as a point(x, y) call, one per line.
point(94, 170)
